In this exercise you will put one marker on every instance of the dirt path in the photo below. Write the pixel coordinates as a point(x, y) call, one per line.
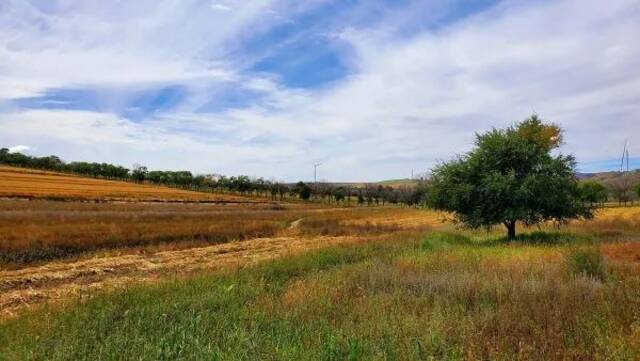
point(60, 281)
point(295, 224)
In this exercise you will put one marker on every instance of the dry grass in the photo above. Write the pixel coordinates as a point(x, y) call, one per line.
point(620, 223)
point(62, 281)
point(385, 291)
point(118, 243)
point(43, 230)
point(370, 221)
point(36, 184)
point(351, 283)
point(410, 297)
point(39, 230)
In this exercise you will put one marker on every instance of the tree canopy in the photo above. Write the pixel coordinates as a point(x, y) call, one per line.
point(511, 176)
point(593, 192)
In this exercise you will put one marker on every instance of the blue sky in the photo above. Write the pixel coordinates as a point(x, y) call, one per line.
point(372, 89)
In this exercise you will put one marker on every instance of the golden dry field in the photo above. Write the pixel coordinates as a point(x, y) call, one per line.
point(50, 250)
point(394, 283)
point(37, 184)
point(347, 282)
point(39, 230)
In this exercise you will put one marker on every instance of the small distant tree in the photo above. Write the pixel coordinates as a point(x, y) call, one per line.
point(302, 190)
point(139, 172)
point(339, 193)
point(636, 189)
point(273, 189)
point(593, 192)
point(621, 189)
point(509, 177)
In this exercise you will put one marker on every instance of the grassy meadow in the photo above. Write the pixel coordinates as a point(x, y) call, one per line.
point(190, 280)
point(413, 294)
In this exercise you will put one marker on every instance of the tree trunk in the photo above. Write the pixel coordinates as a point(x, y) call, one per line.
point(511, 229)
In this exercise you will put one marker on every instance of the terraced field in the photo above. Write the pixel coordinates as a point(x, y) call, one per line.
point(36, 184)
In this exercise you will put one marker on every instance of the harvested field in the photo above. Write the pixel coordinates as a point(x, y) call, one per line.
point(60, 281)
point(39, 230)
point(32, 231)
point(36, 184)
point(356, 272)
point(115, 244)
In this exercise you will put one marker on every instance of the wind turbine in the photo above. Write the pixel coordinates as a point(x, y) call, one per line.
point(627, 160)
point(315, 172)
point(625, 152)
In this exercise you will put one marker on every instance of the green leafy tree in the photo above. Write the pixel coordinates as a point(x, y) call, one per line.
point(303, 190)
point(340, 193)
point(593, 192)
point(139, 172)
point(510, 176)
point(636, 189)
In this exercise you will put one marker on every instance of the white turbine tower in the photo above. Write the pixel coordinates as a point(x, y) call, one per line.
point(625, 154)
point(315, 172)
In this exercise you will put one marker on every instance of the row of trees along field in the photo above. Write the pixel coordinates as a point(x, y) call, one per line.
point(369, 194)
point(421, 193)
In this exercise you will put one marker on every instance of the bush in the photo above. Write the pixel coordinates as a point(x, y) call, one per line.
point(548, 238)
point(436, 241)
point(586, 262)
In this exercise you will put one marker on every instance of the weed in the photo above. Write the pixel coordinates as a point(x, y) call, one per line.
point(586, 262)
point(435, 241)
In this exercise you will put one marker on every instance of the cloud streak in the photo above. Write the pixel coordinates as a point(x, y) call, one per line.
point(409, 99)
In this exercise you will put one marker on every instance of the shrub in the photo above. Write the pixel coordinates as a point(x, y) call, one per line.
point(549, 238)
point(586, 262)
point(442, 240)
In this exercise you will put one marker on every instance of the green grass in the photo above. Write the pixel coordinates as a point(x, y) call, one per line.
point(586, 262)
point(443, 296)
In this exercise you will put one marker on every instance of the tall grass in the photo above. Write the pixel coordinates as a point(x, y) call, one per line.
point(40, 230)
point(33, 231)
point(443, 296)
point(587, 262)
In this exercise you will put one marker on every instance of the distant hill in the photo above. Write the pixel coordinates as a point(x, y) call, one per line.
point(607, 177)
point(604, 177)
point(403, 182)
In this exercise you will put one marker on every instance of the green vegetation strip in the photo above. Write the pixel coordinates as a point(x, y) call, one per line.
point(442, 296)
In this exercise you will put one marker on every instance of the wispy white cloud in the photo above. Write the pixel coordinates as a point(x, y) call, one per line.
point(85, 43)
point(408, 100)
point(19, 149)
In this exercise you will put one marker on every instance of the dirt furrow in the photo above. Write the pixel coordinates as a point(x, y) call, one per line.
point(63, 281)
